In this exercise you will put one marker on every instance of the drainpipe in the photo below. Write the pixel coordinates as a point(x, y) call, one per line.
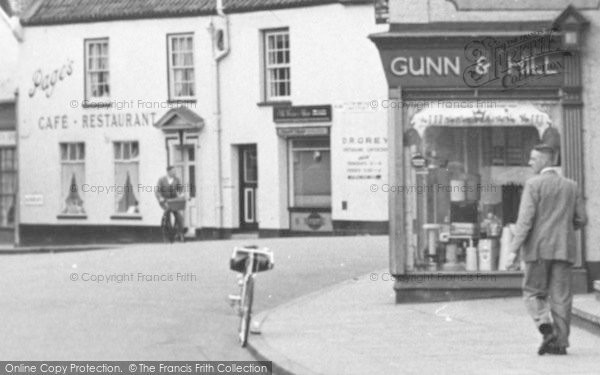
point(13, 24)
point(220, 39)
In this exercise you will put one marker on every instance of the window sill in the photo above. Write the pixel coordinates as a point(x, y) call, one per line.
point(126, 217)
point(70, 217)
point(275, 103)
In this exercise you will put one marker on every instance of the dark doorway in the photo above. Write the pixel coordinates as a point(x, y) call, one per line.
point(248, 187)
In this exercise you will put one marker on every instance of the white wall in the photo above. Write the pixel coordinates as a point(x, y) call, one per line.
point(332, 61)
point(137, 73)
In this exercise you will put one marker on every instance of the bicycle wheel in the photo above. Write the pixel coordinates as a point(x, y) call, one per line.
point(168, 231)
point(248, 294)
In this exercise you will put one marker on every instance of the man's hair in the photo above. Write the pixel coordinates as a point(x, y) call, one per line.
point(170, 167)
point(545, 149)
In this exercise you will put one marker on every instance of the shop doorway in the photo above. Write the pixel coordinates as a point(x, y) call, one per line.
point(183, 159)
point(248, 187)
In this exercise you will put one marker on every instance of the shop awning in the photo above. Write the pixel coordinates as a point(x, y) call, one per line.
point(180, 119)
point(468, 114)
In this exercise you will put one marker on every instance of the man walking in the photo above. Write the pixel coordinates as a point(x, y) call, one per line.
point(551, 210)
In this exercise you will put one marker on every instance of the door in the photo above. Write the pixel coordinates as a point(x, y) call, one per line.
point(248, 187)
point(184, 162)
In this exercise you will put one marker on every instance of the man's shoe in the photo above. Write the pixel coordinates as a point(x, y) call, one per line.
point(549, 340)
point(554, 348)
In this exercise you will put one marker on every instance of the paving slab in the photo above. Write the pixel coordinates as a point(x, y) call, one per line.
point(356, 328)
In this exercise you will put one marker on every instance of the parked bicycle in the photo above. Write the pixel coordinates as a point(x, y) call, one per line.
point(248, 261)
point(171, 229)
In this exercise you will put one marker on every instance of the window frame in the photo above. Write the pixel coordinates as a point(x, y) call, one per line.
point(86, 71)
point(170, 69)
point(121, 160)
point(291, 149)
point(266, 66)
point(80, 158)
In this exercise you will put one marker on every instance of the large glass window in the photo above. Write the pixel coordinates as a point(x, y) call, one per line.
point(72, 159)
point(96, 69)
point(126, 177)
point(181, 66)
point(277, 64)
point(311, 173)
point(461, 203)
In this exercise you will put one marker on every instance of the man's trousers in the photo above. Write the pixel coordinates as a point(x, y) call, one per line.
point(548, 296)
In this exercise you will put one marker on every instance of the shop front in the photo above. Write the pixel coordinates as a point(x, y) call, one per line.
point(467, 112)
point(306, 130)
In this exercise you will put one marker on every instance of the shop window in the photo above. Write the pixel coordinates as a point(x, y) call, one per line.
point(277, 79)
point(311, 173)
point(510, 146)
point(8, 184)
point(180, 50)
point(126, 177)
point(97, 83)
point(72, 158)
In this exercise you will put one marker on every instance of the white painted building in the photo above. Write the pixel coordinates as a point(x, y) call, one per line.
point(283, 135)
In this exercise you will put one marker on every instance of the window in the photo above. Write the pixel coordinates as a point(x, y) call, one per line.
point(8, 184)
point(311, 173)
point(97, 84)
point(126, 177)
point(277, 83)
point(470, 187)
point(510, 146)
point(181, 66)
point(72, 158)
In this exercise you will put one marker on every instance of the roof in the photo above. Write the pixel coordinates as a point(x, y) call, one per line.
point(180, 118)
point(51, 12)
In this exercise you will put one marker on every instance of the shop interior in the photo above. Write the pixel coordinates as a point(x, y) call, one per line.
point(469, 192)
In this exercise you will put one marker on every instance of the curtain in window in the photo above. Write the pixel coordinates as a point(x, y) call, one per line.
point(126, 197)
point(72, 179)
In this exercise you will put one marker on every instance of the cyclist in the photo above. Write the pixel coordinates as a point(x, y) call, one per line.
point(169, 187)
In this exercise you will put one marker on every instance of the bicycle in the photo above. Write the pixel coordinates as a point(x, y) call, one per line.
point(248, 261)
point(168, 220)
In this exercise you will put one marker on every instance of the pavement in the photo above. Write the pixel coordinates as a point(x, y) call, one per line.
point(356, 328)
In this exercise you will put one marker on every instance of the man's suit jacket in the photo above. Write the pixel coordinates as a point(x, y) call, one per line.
point(551, 210)
point(166, 190)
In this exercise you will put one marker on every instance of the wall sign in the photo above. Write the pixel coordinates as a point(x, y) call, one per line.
point(314, 220)
point(47, 82)
point(418, 161)
point(302, 131)
point(33, 200)
point(364, 155)
point(535, 59)
point(303, 113)
point(97, 120)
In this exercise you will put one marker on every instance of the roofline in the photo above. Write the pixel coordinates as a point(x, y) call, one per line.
point(460, 29)
point(181, 14)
